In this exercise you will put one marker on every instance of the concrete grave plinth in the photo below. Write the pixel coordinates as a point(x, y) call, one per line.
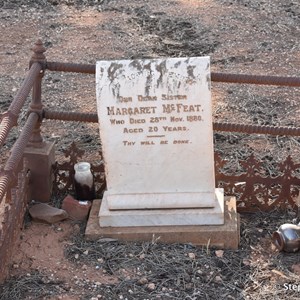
point(224, 236)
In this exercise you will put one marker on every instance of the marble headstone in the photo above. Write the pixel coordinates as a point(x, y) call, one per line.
point(155, 121)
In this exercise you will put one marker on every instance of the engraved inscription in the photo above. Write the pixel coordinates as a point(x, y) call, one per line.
point(112, 110)
point(147, 98)
point(124, 99)
point(132, 130)
point(159, 118)
point(163, 112)
point(173, 97)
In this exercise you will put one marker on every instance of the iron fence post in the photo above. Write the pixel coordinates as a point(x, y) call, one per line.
point(39, 154)
point(36, 101)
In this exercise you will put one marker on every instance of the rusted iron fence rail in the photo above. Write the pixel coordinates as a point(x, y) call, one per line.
point(217, 126)
point(256, 79)
point(17, 152)
point(70, 116)
point(9, 119)
point(217, 77)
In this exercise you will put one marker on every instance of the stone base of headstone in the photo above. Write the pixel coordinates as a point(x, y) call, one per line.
point(163, 217)
point(40, 161)
point(225, 236)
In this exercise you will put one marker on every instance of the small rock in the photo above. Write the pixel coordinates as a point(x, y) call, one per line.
point(218, 278)
point(45, 213)
point(219, 253)
point(296, 269)
point(77, 210)
point(151, 286)
point(192, 255)
point(143, 281)
point(246, 262)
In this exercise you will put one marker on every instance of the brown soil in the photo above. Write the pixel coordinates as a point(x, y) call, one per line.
point(240, 36)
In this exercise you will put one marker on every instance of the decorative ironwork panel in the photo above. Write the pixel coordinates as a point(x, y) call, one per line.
point(255, 188)
point(250, 180)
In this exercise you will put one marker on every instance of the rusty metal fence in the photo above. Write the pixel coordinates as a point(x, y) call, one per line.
point(253, 189)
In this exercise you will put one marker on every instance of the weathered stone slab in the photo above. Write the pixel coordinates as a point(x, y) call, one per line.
point(155, 123)
point(45, 213)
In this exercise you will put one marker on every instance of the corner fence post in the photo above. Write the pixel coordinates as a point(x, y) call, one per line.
point(36, 101)
point(39, 154)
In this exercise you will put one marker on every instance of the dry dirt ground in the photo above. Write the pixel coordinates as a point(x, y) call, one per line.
point(240, 36)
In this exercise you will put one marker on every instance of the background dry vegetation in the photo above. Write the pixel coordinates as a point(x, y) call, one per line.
point(240, 36)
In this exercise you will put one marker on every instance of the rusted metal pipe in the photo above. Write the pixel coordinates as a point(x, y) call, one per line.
point(17, 153)
point(70, 116)
point(4, 182)
point(229, 127)
point(217, 77)
point(259, 129)
point(256, 79)
point(9, 119)
point(69, 67)
point(6, 124)
point(24, 90)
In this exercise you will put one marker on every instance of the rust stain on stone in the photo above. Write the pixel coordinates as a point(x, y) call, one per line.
point(207, 67)
point(112, 70)
point(149, 78)
point(177, 64)
point(112, 75)
point(136, 64)
point(208, 81)
point(162, 69)
point(190, 71)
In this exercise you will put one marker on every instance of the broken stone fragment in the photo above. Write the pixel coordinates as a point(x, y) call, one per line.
point(77, 210)
point(45, 213)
